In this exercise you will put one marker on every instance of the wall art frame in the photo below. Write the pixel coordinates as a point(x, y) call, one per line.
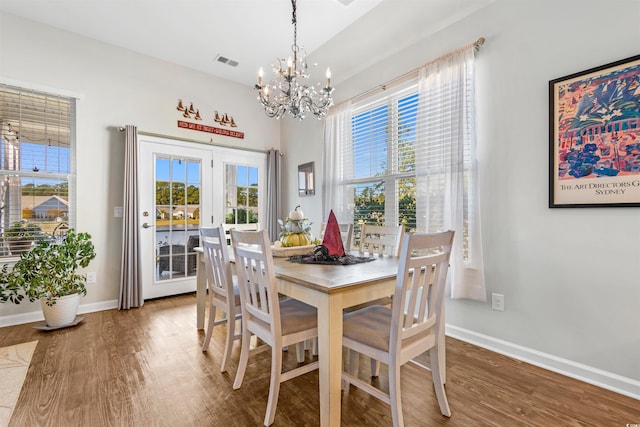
point(594, 137)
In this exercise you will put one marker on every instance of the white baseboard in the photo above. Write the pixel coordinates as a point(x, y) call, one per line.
point(36, 316)
point(607, 380)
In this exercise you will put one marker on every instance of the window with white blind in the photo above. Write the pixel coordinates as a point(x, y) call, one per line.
point(382, 153)
point(37, 141)
point(401, 163)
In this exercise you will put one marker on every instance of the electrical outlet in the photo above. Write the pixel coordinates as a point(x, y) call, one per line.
point(91, 277)
point(497, 302)
point(117, 212)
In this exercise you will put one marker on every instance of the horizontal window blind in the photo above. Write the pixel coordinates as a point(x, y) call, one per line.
point(404, 146)
point(382, 155)
point(37, 139)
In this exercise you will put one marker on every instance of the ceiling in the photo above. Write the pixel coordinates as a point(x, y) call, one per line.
point(192, 33)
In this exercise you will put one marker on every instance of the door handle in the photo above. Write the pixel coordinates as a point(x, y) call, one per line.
point(147, 225)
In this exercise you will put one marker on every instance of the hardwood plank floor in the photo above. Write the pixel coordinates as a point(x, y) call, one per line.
point(144, 367)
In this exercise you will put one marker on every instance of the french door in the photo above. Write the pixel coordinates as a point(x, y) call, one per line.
point(183, 186)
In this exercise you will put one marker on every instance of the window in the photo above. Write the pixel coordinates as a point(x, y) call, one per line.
point(383, 156)
point(177, 195)
point(241, 183)
point(37, 140)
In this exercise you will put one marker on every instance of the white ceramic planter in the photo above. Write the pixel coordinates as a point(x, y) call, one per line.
point(62, 312)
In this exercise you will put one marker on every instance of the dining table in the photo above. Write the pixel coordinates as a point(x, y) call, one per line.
point(331, 289)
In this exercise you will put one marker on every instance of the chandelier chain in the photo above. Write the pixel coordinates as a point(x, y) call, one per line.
point(294, 21)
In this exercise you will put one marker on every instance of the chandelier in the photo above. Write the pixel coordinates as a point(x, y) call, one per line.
point(290, 91)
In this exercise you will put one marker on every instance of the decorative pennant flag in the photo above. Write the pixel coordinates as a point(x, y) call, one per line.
point(332, 239)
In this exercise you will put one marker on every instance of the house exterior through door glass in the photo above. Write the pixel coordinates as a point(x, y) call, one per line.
point(177, 195)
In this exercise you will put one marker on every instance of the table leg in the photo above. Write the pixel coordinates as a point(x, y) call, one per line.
point(201, 291)
point(330, 358)
point(442, 352)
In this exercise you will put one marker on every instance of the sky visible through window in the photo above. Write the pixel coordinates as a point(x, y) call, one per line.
point(41, 158)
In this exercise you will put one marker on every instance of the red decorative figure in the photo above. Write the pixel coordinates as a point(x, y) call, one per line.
point(332, 239)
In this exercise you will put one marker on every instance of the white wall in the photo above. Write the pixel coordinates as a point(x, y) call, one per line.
point(118, 87)
point(570, 276)
point(305, 145)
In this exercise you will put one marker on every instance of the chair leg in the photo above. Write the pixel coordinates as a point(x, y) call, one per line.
point(375, 368)
point(244, 358)
point(212, 319)
point(300, 351)
point(349, 368)
point(394, 394)
point(274, 385)
point(314, 346)
point(438, 382)
point(354, 362)
point(228, 346)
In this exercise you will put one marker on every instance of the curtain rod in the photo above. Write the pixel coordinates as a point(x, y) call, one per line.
point(177, 138)
point(381, 87)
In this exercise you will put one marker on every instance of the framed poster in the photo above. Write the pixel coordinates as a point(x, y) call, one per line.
point(594, 137)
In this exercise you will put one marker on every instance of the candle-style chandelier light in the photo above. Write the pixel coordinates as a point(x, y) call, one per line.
point(289, 91)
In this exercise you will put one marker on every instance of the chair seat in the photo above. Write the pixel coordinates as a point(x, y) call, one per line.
point(236, 293)
point(370, 325)
point(295, 317)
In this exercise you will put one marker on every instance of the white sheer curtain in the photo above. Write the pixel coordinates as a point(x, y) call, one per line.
point(447, 195)
point(337, 142)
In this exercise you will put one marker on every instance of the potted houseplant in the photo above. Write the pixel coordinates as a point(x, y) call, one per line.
point(20, 236)
point(48, 273)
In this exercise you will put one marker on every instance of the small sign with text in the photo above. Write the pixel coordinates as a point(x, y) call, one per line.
point(210, 129)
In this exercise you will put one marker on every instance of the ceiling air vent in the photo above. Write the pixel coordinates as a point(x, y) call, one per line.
point(225, 60)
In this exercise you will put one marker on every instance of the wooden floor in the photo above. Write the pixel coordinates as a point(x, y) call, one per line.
point(144, 367)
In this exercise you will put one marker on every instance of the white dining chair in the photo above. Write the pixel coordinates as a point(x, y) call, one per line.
point(223, 292)
point(253, 226)
point(397, 335)
point(380, 239)
point(278, 323)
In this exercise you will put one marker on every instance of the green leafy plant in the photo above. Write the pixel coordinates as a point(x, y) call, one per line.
point(48, 271)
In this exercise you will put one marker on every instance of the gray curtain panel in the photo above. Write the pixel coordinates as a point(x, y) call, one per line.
point(274, 193)
point(130, 278)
